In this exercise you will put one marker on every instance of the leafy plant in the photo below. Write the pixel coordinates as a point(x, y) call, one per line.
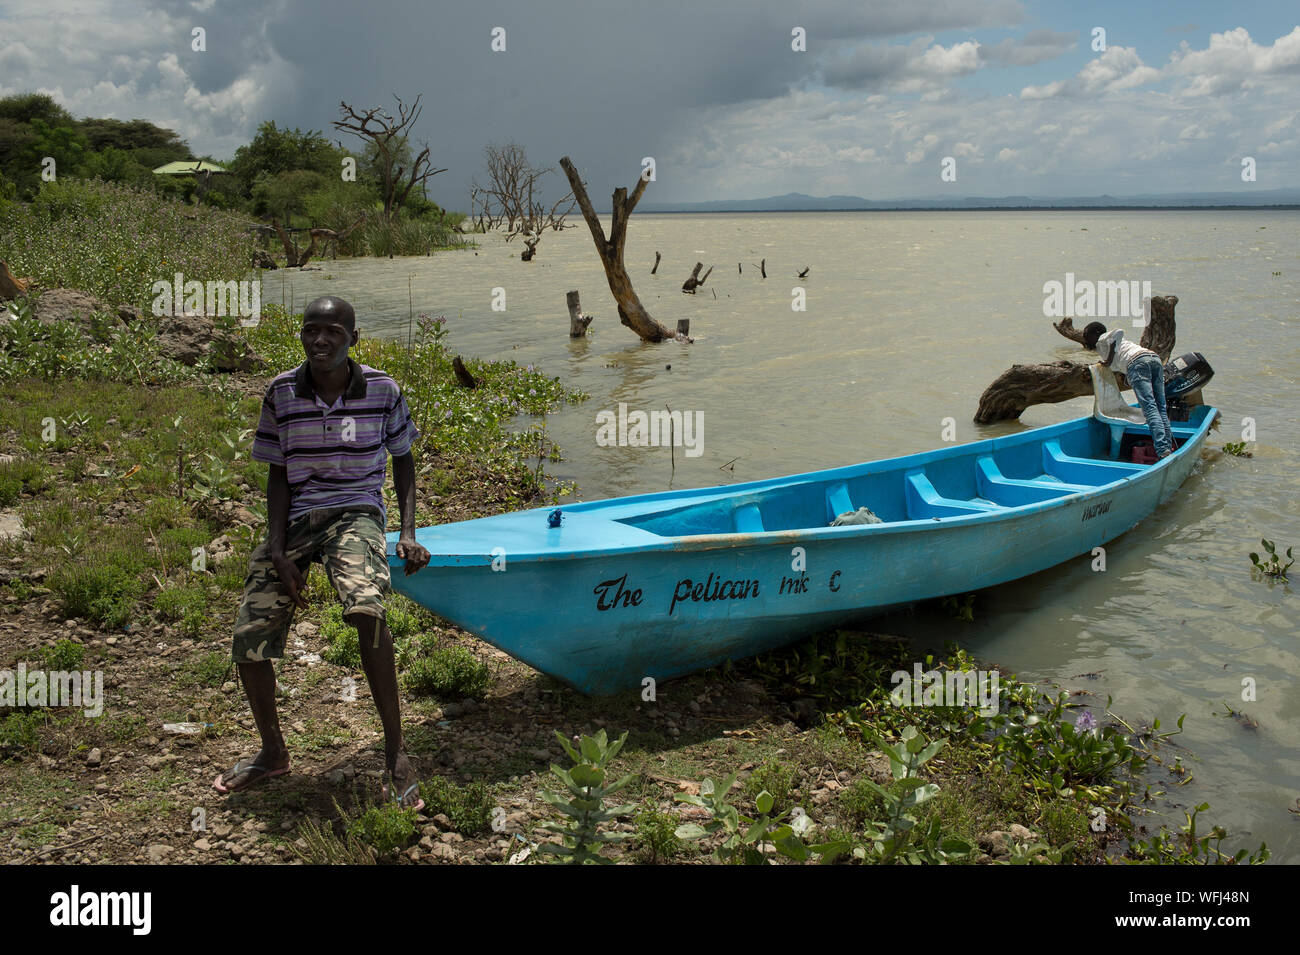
point(64, 655)
point(744, 837)
point(900, 837)
point(584, 807)
point(469, 808)
point(1271, 565)
point(963, 609)
point(656, 836)
point(385, 828)
point(1237, 449)
point(1191, 848)
point(774, 777)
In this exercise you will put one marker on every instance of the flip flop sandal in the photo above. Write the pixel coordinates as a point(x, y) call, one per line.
point(419, 803)
point(246, 767)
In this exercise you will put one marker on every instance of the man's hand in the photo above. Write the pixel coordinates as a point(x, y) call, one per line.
point(414, 554)
point(292, 579)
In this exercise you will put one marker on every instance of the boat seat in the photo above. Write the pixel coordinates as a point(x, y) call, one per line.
point(748, 519)
point(1084, 471)
point(1013, 492)
point(923, 501)
point(837, 499)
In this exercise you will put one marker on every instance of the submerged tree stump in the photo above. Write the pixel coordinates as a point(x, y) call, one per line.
point(577, 321)
point(630, 310)
point(1023, 385)
point(696, 280)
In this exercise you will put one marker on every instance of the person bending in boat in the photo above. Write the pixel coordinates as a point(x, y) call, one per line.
point(1145, 372)
point(326, 431)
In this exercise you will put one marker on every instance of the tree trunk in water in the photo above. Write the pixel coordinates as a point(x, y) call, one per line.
point(1023, 385)
point(630, 310)
point(696, 280)
point(656, 265)
point(577, 321)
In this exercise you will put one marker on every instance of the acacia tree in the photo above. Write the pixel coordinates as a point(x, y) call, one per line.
point(387, 135)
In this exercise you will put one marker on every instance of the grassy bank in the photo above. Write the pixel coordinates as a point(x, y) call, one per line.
point(141, 505)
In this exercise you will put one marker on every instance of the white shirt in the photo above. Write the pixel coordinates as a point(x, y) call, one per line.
point(1124, 351)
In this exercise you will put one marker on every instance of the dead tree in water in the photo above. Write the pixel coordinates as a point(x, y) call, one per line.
point(630, 310)
point(577, 321)
point(696, 280)
point(293, 257)
point(1023, 385)
point(656, 265)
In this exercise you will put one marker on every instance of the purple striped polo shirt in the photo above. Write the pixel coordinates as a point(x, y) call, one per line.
point(337, 455)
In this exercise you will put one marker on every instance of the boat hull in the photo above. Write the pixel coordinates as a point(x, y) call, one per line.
point(607, 618)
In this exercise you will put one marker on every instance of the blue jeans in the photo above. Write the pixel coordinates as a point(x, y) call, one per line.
point(1147, 376)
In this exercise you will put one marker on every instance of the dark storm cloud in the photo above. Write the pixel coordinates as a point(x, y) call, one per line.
point(606, 85)
point(1034, 47)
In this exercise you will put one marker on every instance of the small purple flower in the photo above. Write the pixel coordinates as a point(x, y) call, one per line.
point(1085, 722)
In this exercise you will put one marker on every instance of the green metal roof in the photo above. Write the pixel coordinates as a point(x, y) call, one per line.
point(182, 167)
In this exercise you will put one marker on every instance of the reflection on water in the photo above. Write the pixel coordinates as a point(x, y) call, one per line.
point(909, 316)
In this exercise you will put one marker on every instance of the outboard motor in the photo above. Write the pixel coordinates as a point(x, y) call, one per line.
point(1186, 373)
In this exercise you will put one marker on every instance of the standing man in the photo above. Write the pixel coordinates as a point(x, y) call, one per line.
point(1145, 372)
point(326, 430)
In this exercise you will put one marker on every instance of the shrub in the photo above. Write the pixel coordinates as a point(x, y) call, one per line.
point(188, 604)
point(342, 646)
point(64, 655)
point(448, 672)
point(102, 593)
point(774, 777)
point(469, 808)
point(656, 836)
point(384, 828)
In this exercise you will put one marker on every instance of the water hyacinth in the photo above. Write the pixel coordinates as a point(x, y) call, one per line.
point(1086, 723)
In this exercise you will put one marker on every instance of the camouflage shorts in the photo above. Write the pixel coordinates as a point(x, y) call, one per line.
point(350, 545)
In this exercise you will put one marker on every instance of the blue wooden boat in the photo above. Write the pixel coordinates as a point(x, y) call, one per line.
point(659, 585)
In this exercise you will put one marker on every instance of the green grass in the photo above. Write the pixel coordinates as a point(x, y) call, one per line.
point(776, 777)
point(63, 655)
point(205, 670)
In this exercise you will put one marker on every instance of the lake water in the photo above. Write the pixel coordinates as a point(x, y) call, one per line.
point(909, 317)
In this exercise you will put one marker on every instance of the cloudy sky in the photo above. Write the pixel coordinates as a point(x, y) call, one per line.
point(1020, 93)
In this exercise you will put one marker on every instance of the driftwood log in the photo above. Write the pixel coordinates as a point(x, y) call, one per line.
point(11, 286)
point(463, 376)
point(696, 280)
point(577, 321)
point(630, 310)
point(1023, 385)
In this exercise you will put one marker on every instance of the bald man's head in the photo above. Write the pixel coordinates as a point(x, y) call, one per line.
point(331, 309)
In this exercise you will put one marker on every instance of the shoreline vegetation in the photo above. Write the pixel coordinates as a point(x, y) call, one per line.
point(131, 507)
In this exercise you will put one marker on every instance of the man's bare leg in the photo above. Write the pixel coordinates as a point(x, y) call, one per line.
point(259, 685)
point(381, 673)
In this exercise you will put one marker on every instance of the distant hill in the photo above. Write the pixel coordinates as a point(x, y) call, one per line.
point(799, 202)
